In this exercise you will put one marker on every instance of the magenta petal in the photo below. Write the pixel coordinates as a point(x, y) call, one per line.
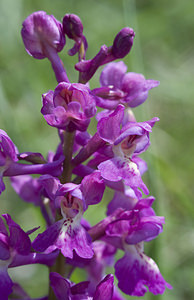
point(48, 237)
point(5, 284)
point(18, 239)
point(117, 168)
point(50, 184)
point(47, 101)
point(60, 286)
point(109, 169)
point(28, 188)
point(104, 290)
point(8, 146)
point(142, 165)
point(80, 288)
point(124, 200)
point(109, 126)
point(78, 240)
point(113, 74)
point(118, 228)
point(146, 232)
point(92, 188)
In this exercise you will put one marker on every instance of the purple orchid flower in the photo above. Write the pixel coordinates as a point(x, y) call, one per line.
point(15, 250)
point(136, 270)
point(130, 89)
point(137, 225)
point(128, 231)
point(133, 138)
point(70, 107)
point(63, 289)
point(68, 234)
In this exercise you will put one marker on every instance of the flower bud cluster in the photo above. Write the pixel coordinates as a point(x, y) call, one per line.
point(78, 173)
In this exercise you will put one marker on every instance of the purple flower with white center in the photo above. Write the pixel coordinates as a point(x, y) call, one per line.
point(135, 271)
point(67, 234)
point(132, 138)
point(64, 289)
point(70, 107)
point(132, 87)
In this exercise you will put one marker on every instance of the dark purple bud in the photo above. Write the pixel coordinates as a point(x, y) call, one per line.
point(72, 26)
point(41, 31)
point(123, 42)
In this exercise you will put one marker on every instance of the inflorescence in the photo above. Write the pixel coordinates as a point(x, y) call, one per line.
point(77, 174)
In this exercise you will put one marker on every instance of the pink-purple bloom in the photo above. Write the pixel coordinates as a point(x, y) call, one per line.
point(130, 89)
point(135, 271)
point(131, 139)
point(70, 107)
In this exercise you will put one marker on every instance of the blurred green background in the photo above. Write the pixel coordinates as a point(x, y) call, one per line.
point(163, 50)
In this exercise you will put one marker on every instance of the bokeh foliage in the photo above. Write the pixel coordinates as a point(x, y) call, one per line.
point(163, 50)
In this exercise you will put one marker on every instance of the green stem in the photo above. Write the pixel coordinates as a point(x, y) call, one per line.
point(60, 267)
point(68, 151)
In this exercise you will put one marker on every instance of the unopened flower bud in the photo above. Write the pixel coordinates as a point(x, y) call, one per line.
point(40, 32)
point(72, 26)
point(123, 42)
